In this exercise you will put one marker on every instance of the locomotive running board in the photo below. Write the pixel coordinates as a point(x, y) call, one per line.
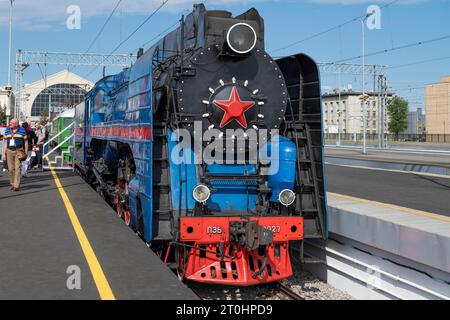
point(304, 126)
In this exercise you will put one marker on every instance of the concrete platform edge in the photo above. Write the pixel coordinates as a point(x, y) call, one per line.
point(416, 244)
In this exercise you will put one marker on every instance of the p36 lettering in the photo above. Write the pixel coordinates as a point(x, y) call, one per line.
point(214, 230)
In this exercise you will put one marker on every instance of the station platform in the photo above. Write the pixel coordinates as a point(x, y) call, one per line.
point(406, 251)
point(417, 235)
point(60, 240)
point(430, 162)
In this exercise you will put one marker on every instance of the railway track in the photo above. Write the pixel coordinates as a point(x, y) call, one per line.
point(276, 291)
point(289, 292)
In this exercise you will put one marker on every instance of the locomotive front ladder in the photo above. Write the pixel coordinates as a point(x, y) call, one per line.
point(303, 125)
point(162, 209)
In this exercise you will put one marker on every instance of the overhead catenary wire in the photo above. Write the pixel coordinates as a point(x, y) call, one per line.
point(330, 29)
point(160, 34)
point(140, 26)
point(405, 46)
point(154, 12)
point(103, 26)
point(419, 62)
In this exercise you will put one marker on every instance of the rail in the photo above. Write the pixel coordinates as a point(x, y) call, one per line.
point(289, 292)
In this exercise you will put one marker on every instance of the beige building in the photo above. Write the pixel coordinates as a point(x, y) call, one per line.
point(7, 101)
point(59, 92)
point(437, 107)
point(345, 114)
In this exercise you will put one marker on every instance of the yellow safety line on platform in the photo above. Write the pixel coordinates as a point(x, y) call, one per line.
point(94, 265)
point(391, 206)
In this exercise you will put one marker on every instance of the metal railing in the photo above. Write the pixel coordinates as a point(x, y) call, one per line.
point(54, 138)
point(390, 137)
point(63, 156)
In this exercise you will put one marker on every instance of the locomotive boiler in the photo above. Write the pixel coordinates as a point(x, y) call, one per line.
point(211, 150)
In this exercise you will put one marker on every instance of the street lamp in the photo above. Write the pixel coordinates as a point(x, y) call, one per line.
point(363, 100)
point(338, 143)
point(9, 87)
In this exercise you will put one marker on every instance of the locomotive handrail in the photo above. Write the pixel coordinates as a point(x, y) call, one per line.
point(53, 138)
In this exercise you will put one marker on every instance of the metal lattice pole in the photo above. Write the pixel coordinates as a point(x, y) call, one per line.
point(19, 70)
point(380, 113)
point(353, 69)
point(384, 95)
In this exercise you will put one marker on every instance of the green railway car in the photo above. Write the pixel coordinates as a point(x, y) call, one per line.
point(61, 122)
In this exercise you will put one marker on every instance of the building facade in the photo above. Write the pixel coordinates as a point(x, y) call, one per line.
point(437, 107)
point(57, 93)
point(343, 113)
point(7, 101)
point(416, 122)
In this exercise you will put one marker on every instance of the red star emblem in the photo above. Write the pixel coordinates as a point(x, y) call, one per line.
point(234, 109)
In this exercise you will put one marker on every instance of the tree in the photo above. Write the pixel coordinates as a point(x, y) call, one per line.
point(398, 115)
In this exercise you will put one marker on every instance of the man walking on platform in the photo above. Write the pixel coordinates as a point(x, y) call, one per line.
point(14, 146)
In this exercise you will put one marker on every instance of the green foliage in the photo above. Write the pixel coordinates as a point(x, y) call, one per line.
point(398, 114)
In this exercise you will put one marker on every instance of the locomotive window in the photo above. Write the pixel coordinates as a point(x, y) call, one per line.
point(98, 102)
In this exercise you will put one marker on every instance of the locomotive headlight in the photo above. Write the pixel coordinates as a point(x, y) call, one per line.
point(241, 38)
point(286, 197)
point(201, 193)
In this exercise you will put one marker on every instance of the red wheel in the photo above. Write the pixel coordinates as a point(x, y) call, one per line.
point(119, 206)
point(127, 217)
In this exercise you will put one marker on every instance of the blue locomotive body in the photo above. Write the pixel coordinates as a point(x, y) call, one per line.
point(130, 145)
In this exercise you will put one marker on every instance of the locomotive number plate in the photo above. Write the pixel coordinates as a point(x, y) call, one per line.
point(214, 230)
point(274, 229)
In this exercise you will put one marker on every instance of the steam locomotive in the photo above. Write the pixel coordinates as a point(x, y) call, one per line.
point(211, 150)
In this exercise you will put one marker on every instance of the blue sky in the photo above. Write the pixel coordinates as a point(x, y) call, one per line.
point(41, 25)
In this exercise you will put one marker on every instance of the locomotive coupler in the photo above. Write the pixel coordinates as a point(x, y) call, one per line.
point(250, 234)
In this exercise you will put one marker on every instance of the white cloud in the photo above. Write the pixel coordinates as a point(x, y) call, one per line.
point(31, 14)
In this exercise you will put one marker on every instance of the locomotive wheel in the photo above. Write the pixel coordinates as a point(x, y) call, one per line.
point(127, 217)
point(181, 260)
point(119, 206)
